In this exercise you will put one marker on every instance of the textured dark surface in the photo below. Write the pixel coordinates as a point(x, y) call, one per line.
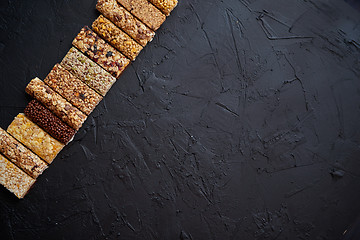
point(239, 121)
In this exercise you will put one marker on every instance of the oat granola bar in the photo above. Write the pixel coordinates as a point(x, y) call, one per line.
point(33, 137)
point(72, 89)
point(20, 155)
point(55, 103)
point(14, 179)
point(166, 6)
point(116, 37)
point(45, 119)
point(100, 52)
point(144, 11)
point(125, 21)
point(88, 71)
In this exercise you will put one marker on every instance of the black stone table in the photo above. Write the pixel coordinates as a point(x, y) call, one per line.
point(241, 120)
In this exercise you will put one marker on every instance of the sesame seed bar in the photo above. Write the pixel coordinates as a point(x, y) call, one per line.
point(88, 71)
point(20, 155)
point(45, 119)
point(14, 179)
point(166, 6)
point(72, 89)
point(125, 21)
point(36, 139)
point(55, 103)
point(100, 52)
point(116, 37)
point(144, 11)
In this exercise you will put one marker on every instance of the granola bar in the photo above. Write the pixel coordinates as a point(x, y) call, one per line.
point(166, 6)
point(125, 21)
point(144, 11)
point(15, 180)
point(88, 71)
point(55, 103)
point(72, 89)
point(20, 155)
point(33, 137)
point(116, 37)
point(100, 52)
point(45, 119)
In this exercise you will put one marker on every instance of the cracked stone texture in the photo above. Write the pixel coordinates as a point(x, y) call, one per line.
point(240, 120)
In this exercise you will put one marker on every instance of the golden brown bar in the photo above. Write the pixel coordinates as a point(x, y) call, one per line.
point(166, 6)
point(144, 11)
point(125, 21)
point(88, 71)
point(33, 137)
point(45, 119)
point(20, 155)
point(116, 37)
point(14, 179)
point(100, 52)
point(55, 103)
point(72, 89)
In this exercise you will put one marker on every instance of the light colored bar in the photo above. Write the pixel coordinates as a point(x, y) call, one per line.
point(14, 179)
point(144, 11)
point(36, 139)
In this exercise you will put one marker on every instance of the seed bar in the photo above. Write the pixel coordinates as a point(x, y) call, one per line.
point(20, 155)
point(55, 103)
point(125, 21)
point(116, 37)
point(144, 11)
point(100, 52)
point(15, 180)
point(88, 71)
point(166, 6)
point(45, 119)
point(36, 139)
point(72, 89)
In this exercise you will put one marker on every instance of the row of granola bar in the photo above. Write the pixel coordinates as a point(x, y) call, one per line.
point(73, 88)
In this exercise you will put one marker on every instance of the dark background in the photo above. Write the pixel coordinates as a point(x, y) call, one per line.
point(239, 121)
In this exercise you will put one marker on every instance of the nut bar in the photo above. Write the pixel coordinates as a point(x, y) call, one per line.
point(88, 71)
point(55, 103)
point(20, 155)
point(72, 89)
point(144, 11)
point(33, 137)
point(45, 119)
point(166, 6)
point(15, 180)
point(125, 21)
point(116, 37)
point(100, 52)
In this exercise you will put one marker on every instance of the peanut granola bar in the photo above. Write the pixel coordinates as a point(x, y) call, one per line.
point(55, 103)
point(144, 11)
point(20, 155)
point(125, 21)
